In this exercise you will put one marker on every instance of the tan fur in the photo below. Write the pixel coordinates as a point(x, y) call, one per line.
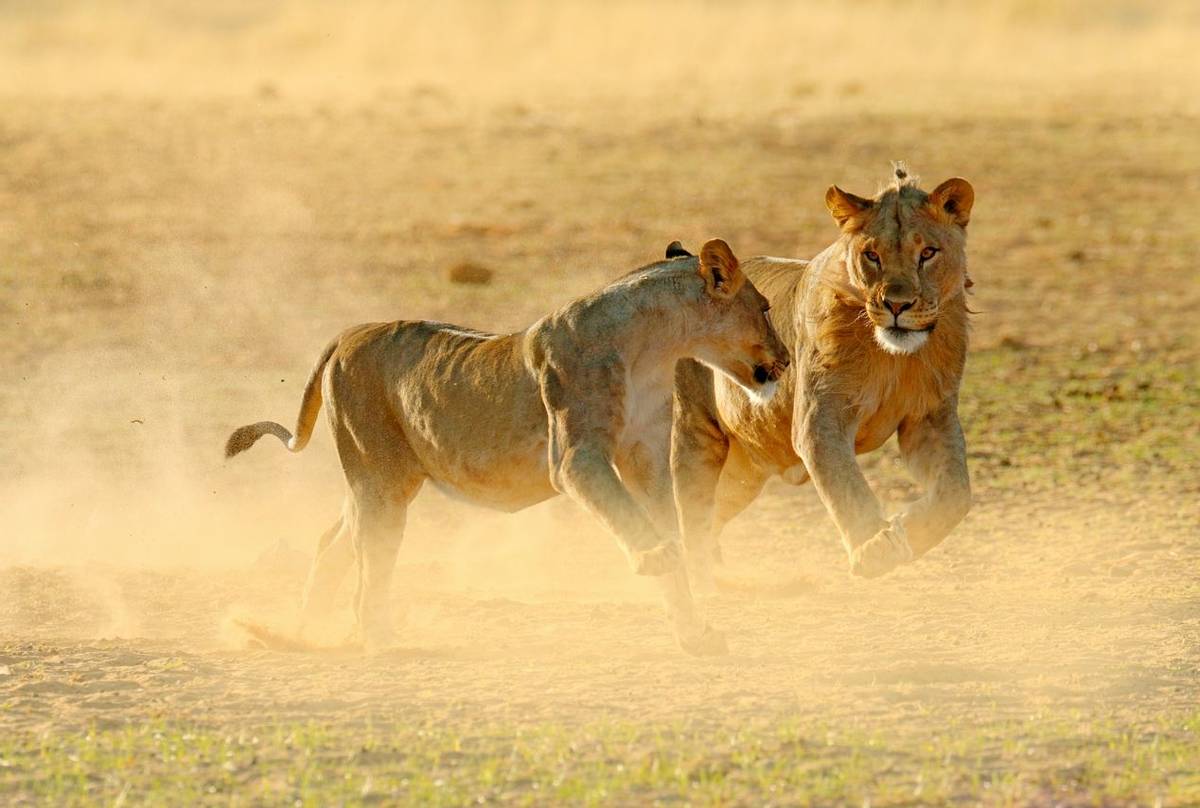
point(579, 403)
point(847, 392)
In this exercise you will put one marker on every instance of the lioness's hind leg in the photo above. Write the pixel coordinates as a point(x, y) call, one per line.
point(335, 553)
point(379, 529)
point(382, 476)
point(376, 513)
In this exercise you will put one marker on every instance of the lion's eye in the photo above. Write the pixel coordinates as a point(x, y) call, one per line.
point(928, 252)
point(871, 256)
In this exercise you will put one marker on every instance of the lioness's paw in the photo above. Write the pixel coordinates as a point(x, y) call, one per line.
point(378, 638)
point(881, 554)
point(666, 557)
point(709, 642)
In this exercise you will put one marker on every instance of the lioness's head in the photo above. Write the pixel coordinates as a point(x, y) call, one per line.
point(739, 340)
point(905, 254)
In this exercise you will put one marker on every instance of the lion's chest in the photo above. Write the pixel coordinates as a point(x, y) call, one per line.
point(764, 431)
point(875, 429)
point(882, 409)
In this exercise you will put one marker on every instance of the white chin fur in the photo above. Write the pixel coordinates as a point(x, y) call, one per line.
point(761, 394)
point(895, 341)
point(758, 395)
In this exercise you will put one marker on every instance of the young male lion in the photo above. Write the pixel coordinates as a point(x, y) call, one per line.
point(579, 403)
point(877, 324)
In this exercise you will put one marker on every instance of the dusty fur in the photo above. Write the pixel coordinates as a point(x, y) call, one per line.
point(878, 325)
point(579, 403)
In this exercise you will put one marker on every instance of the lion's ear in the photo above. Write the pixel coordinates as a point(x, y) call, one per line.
point(953, 199)
point(845, 206)
point(719, 267)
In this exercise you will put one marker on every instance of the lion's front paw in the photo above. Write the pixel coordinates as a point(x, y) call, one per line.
point(882, 553)
point(709, 642)
point(666, 557)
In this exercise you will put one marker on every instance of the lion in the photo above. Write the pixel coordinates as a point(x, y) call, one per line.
point(877, 326)
point(579, 403)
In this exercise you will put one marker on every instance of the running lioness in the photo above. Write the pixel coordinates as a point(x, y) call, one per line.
point(579, 403)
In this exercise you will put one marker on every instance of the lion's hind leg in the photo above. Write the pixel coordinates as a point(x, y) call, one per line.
point(696, 473)
point(740, 484)
point(713, 484)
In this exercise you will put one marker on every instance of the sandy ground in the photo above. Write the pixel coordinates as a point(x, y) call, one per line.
point(170, 267)
point(998, 626)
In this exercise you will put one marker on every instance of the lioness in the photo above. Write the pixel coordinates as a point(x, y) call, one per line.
point(877, 323)
point(579, 403)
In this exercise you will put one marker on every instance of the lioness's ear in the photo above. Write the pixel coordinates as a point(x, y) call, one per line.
point(845, 206)
point(954, 198)
point(719, 267)
point(676, 250)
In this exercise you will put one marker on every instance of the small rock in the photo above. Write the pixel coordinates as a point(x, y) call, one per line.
point(468, 272)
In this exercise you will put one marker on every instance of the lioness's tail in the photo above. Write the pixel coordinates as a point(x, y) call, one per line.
point(244, 437)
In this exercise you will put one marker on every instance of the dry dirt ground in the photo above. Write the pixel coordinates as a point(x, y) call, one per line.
point(171, 264)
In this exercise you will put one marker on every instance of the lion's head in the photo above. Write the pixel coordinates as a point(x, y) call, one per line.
point(905, 255)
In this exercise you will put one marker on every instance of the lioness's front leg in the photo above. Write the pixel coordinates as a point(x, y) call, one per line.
point(585, 418)
point(699, 448)
point(823, 436)
point(936, 453)
point(645, 469)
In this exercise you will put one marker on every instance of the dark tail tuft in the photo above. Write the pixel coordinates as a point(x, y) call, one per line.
point(246, 436)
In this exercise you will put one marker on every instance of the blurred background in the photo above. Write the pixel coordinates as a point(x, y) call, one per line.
point(703, 57)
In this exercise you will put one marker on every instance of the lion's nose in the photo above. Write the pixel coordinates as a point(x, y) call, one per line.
point(897, 307)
